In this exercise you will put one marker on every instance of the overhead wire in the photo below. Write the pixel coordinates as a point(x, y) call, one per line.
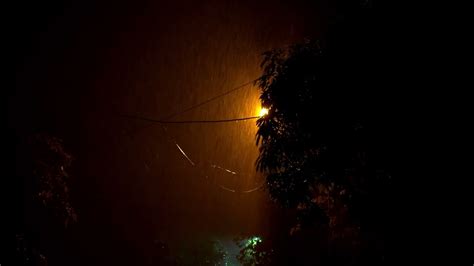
point(165, 120)
point(159, 121)
point(197, 105)
point(195, 164)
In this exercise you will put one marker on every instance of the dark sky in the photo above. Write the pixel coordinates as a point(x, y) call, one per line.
point(79, 64)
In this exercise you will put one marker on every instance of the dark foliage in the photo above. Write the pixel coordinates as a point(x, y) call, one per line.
point(327, 145)
point(42, 167)
point(50, 176)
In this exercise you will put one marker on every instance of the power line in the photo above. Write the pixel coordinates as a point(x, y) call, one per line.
point(194, 107)
point(209, 100)
point(189, 121)
point(212, 165)
point(165, 120)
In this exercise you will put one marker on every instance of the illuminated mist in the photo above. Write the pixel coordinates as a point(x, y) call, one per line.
point(142, 183)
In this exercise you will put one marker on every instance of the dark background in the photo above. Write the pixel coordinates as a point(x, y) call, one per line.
point(78, 64)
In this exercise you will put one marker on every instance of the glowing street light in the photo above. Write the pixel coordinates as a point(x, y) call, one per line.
point(263, 112)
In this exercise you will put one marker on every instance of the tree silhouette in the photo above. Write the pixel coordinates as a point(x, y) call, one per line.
point(50, 165)
point(326, 144)
point(44, 185)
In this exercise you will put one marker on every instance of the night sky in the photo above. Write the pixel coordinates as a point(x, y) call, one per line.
point(81, 64)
